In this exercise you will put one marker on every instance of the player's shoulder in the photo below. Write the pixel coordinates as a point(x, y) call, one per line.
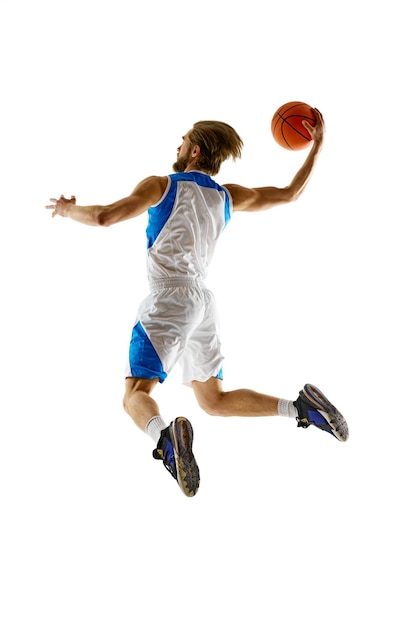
point(241, 196)
point(160, 181)
point(155, 183)
point(151, 189)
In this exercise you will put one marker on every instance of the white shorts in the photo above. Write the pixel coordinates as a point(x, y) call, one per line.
point(176, 323)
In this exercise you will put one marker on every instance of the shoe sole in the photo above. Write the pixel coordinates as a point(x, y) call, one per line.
point(334, 418)
point(188, 476)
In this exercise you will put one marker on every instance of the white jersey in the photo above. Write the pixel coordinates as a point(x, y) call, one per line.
point(177, 322)
point(184, 226)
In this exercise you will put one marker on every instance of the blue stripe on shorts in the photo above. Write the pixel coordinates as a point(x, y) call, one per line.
point(143, 359)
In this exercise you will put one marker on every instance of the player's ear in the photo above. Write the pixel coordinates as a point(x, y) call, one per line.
point(196, 151)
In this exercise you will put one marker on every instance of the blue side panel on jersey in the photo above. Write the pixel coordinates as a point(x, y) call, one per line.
point(158, 215)
point(227, 208)
point(144, 362)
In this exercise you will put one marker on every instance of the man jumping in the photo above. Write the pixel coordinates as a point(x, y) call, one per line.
point(177, 322)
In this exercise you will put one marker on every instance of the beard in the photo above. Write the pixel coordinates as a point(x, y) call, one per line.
point(182, 162)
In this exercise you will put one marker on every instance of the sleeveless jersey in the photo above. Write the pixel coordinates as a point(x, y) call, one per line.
point(183, 228)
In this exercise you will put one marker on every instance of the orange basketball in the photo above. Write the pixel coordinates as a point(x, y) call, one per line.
point(287, 127)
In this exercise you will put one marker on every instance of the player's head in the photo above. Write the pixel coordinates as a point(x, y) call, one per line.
point(207, 145)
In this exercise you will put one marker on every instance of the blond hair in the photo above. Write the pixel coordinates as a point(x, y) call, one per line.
point(217, 142)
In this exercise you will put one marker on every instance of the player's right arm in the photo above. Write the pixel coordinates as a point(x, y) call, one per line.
point(147, 193)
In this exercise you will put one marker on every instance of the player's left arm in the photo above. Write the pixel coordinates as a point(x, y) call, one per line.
point(146, 193)
point(262, 198)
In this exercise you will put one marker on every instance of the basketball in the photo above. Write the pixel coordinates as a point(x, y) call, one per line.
point(287, 127)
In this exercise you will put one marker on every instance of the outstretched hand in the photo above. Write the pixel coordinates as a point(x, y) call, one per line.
point(317, 131)
point(60, 206)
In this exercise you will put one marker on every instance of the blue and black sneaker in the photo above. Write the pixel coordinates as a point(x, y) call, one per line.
point(174, 449)
point(314, 408)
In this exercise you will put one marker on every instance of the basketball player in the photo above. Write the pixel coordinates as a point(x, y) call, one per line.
point(177, 322)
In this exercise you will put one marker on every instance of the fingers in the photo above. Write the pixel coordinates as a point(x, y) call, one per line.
point(52, 206)
point(308, 126)
point(61, 199)
point(319, 117)
point(316, 130)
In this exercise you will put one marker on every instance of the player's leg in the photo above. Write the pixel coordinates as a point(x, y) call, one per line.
point(202, 358)
point(310, 408)
point(240, 402)
point(173, 442)
point(137, 401)
point(151, 357)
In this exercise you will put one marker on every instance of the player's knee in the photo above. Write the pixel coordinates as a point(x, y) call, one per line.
point(125, 401)
point(127, 398)
point(213, 404)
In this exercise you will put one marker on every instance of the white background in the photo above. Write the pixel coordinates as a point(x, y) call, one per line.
point(289, 526)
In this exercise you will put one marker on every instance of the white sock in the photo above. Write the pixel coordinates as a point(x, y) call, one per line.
point(154, 427)
point(287, 408)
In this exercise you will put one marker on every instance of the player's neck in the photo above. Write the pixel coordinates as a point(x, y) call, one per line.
point(194, 167)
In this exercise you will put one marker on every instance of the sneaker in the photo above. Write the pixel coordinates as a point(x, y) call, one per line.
point(174, 449)
point(314, 408)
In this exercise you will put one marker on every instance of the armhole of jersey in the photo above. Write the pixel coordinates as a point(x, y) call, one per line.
point(229, 206)
point(167, 189)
